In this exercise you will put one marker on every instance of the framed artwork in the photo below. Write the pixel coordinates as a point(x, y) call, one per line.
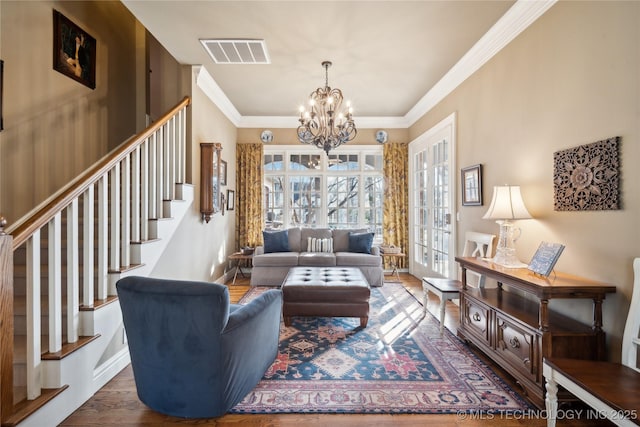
point(471, 179)
point(74, 51)
point(1, 84)
point(231, 200)
point(587, 177)
point(223, 172)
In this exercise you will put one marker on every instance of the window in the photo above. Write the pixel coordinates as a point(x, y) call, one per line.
point(342, 190)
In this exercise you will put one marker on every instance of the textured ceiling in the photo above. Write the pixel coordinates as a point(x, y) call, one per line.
point(386, 54)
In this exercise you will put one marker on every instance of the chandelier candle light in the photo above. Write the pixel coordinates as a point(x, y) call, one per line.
point(326, 124)
point(507, 205)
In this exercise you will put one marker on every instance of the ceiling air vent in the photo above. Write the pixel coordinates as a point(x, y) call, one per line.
point(237, 51)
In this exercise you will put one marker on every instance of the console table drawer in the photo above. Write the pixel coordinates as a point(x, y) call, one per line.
point(518, 345)
point(476, 319)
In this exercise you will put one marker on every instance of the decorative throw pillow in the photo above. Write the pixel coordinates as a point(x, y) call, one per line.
point(319, 245)
point(275, 241)
point(360, 242)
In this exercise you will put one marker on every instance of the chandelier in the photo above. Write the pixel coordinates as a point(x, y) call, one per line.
point(326, 124)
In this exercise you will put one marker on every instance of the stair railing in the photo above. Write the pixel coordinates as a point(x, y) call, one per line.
point(127, 188)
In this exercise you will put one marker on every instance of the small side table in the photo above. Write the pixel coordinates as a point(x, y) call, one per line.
point(393, 260)
point(239, 257)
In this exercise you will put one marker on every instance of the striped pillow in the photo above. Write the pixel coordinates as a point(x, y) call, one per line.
point(319, 245)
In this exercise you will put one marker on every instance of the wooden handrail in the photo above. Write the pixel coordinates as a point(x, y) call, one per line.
point(44, 215)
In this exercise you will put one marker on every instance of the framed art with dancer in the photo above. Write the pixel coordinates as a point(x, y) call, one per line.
point(74, 51)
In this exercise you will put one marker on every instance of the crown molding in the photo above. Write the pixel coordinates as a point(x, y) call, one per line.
point(288, 122)
point(522, 14)
point(208, 85)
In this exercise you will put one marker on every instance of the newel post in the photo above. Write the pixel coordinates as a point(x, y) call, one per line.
point(6, 322)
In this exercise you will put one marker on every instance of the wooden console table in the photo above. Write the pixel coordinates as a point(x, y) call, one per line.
point(517, 332)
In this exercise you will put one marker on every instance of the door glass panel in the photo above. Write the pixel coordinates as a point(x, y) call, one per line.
point(421, 211)
point(442, 219)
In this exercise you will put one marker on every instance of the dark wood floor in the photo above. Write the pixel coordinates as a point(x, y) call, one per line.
point(117, 404)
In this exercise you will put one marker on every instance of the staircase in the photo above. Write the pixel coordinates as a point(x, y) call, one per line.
point(62, 336)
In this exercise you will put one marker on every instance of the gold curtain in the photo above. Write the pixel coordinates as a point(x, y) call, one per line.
point(249, 182)
point(395, 227)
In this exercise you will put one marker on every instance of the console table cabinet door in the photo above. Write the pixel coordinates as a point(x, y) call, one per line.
point(519, 345)
point(476, 320)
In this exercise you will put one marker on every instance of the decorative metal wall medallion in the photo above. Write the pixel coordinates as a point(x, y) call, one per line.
point(587, 177)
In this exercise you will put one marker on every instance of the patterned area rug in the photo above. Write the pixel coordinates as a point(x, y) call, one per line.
point(399, 363)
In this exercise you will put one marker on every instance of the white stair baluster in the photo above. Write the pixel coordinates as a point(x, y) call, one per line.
point(54, 250)
point(144, 191)
point(171, 160)
point(135, 195)
point(159, 173)
point(73, 272)
point(87, 248)
point(125, 213)
point(153, 160)
point(103, 237)
point(34, 346)
point(114, 244)
point(180, 155)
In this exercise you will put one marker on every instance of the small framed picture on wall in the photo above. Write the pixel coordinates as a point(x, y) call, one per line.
point(471, 180)
point(223, 172)
point(231, 200)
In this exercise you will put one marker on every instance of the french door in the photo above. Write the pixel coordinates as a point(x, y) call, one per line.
point(432, 198)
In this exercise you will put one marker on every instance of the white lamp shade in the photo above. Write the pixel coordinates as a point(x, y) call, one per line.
point(507, 204)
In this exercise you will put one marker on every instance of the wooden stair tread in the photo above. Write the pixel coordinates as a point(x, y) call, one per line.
point(20, 305)
point(97, 304)
point(23, 409)
point(20, 348)
point(68, 348)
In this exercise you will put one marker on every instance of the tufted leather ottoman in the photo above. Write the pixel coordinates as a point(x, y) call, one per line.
point(325, 292)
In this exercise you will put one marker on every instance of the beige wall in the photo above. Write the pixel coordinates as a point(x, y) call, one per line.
point(54, 126)
point(571, 78)
point(199, 250)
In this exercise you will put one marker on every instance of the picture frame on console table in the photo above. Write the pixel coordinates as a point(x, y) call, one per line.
point(545, 258)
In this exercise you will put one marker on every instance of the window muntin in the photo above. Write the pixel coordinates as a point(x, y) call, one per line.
point(273, 204)
point(306, 200)
point(311, 189)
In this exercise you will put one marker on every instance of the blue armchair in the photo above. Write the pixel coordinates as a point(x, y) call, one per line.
point(194, 354)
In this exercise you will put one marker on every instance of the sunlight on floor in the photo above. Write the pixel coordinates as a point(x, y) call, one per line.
point(407, 319)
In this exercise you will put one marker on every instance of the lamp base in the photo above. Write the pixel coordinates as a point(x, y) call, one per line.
point(506, 251)
point(506, 257)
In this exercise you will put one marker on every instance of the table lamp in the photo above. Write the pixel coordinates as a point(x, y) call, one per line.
point(507, 205)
